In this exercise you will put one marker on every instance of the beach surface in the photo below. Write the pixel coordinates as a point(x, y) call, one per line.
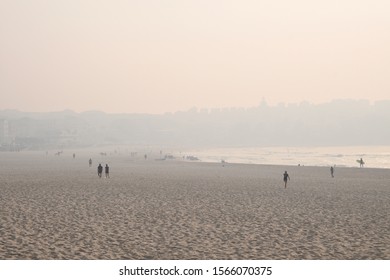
point(56, 207)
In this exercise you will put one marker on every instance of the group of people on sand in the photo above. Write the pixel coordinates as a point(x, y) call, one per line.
point(106, 170)
point(287, 177)
point(100, 169)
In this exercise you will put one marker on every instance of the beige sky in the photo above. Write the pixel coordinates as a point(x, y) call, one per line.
point(159, 56)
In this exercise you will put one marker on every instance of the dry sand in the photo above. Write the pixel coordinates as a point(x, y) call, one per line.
point(57, 208)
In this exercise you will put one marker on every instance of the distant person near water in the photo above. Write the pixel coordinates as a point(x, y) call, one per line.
point(90, 162)
point(361, 162)
point(332, 171)
point(285, 177)
point(107, 171)
point(100, 170)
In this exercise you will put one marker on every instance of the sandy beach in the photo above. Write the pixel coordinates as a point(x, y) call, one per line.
point(56, 207)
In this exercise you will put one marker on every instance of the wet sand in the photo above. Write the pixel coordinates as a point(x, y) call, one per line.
point(56, 207)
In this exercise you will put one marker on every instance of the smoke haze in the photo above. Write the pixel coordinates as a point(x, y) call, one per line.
point(163, 56)
point(340, 122)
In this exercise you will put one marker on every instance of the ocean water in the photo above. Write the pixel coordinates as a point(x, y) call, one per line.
point(373, 156)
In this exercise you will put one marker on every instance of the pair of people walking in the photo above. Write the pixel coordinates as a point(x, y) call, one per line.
point(106, 169)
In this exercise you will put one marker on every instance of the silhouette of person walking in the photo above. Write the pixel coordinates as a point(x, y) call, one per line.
point(107, 171)
point(90, 162)
point(361, 162)
point(285, 177)
point(100, 170)
point(332, 171)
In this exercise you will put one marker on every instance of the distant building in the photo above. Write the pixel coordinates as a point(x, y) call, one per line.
point(6, 141)
point(4, 132)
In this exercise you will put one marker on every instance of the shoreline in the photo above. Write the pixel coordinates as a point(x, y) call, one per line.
point(68, 154)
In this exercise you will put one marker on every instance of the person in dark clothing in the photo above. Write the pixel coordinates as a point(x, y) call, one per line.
point(332, 171)
point(90, 162)
point(107, 170)
point(100, 170)
point(285, 177)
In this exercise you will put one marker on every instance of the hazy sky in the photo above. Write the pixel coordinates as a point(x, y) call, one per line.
point(159, 56)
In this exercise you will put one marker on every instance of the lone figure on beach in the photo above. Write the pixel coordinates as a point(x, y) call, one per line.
point(107, 170)
point(285, 177)
point(100, 170)
point(90, 162)
point(332, 171)
point(361, 162)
